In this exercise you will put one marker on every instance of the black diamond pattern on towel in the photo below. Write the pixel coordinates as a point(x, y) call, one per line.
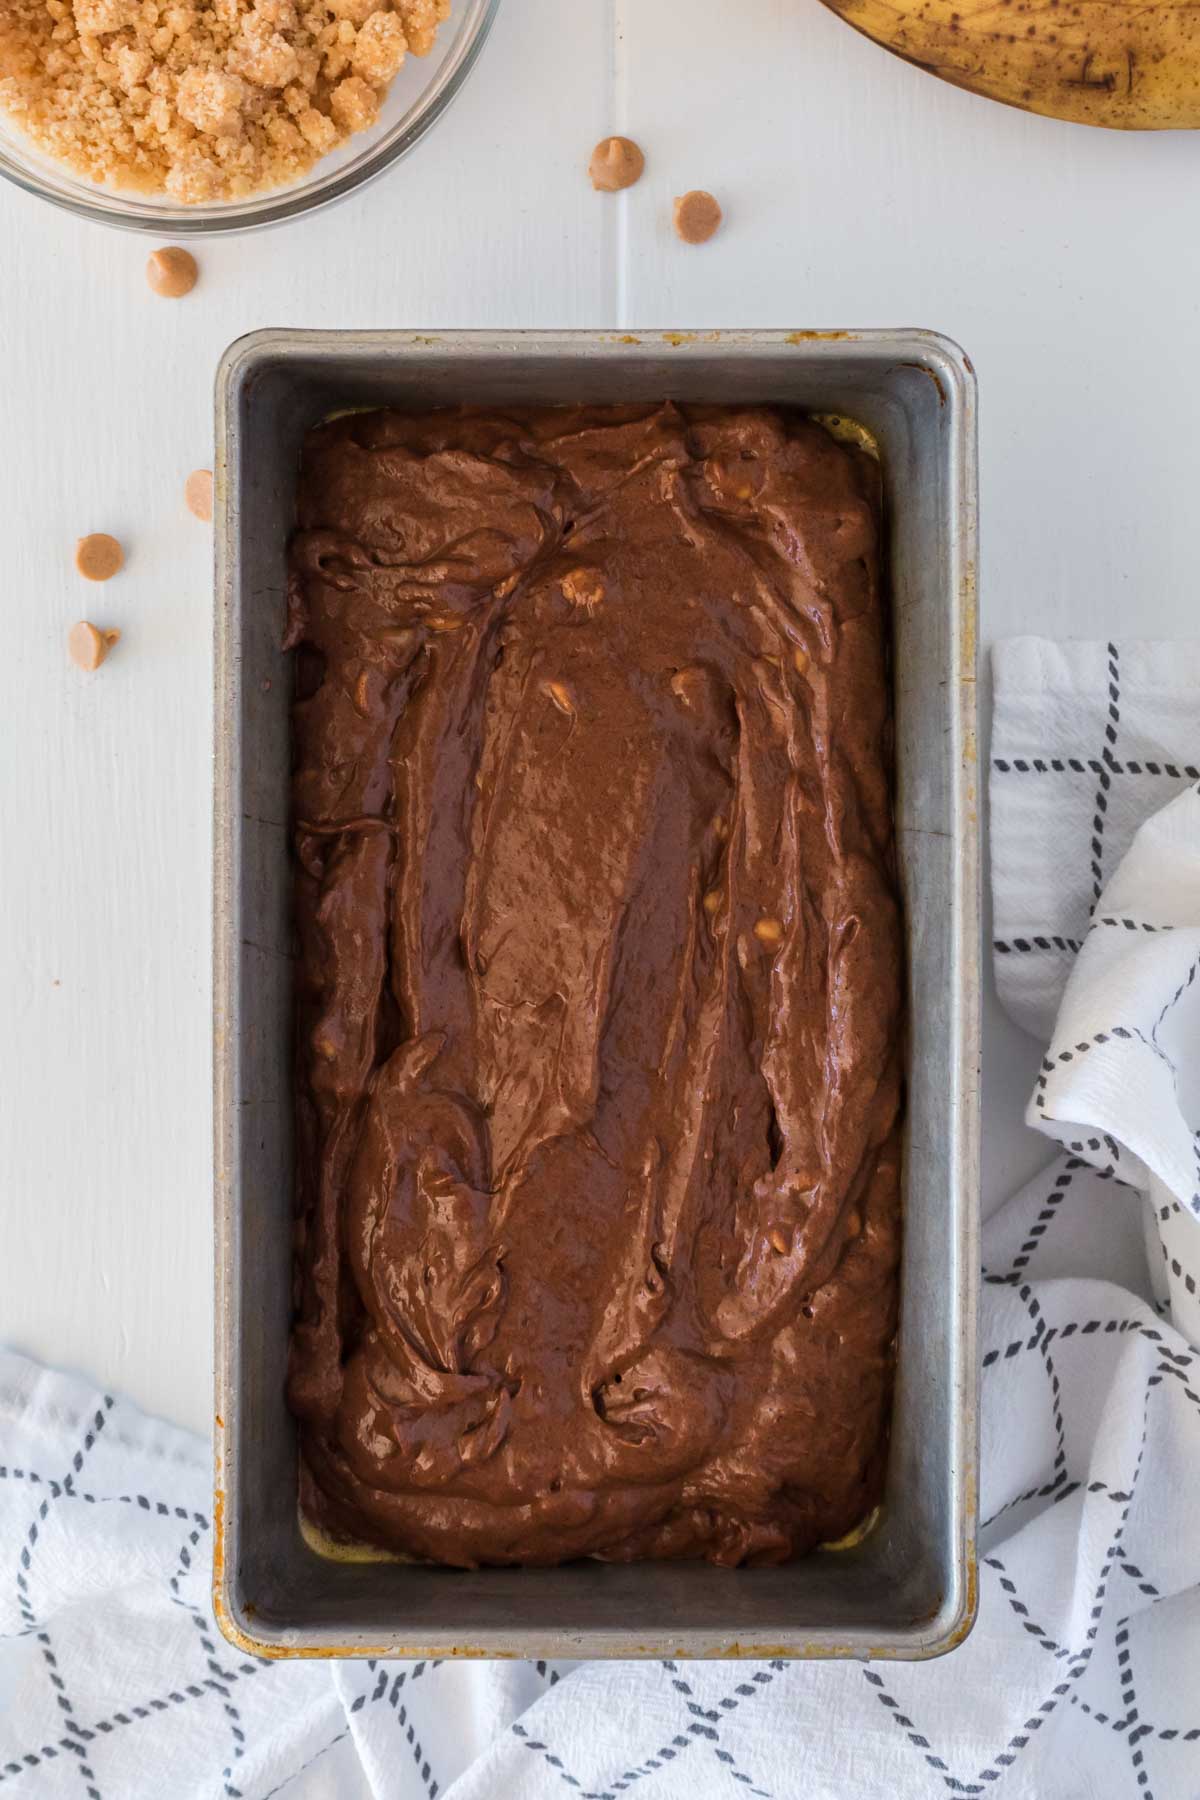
point(1081, 1679)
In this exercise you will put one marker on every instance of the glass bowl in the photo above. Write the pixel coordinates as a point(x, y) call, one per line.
point(417, 98)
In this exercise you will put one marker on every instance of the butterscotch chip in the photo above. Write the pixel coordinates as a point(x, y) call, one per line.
point(88, 646)
point(397, 637)
point(697, 216)
point(172, 272)
point(768, 931)
point(582, 587)
point(98, 556)
point(198, 492)
point(686, 684)
point(617, 162)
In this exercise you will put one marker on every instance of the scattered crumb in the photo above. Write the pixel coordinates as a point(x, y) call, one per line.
point(617, 162)
point(172, 272)
point(697, 216)
point(198, 492)
point(98, 557)
point(208, 101)
point(354, 104)
point(88, 646)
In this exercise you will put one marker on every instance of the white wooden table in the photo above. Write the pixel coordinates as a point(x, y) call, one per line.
point(857, 192)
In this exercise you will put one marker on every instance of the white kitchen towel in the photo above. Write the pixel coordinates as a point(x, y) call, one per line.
point(1096, 901)
point(1088, 740)
point(1080, 1678)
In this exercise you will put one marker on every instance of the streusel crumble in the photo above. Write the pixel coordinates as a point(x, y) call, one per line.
point(202, 102)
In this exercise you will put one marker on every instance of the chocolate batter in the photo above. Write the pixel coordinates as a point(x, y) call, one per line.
point(599, 985)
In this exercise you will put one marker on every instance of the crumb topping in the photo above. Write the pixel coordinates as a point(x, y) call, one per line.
point(203, 102)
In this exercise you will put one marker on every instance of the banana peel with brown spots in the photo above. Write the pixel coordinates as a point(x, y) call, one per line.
point(1113, 63)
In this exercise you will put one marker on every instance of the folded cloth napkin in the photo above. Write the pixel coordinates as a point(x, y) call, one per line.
point(1080, 1678)
point(1116, 959)
point(1088, 740)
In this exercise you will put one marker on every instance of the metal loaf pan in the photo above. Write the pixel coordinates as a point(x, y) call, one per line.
point(908, 1589)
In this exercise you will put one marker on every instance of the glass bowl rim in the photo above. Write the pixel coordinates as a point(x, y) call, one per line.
point(273, 206)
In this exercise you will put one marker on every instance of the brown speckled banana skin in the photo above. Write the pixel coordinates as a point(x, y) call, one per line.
point(1093, 62)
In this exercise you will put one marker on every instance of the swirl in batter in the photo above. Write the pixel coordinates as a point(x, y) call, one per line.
point(599, 985)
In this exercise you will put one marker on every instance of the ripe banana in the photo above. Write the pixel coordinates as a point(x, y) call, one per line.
point(1129, 66)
